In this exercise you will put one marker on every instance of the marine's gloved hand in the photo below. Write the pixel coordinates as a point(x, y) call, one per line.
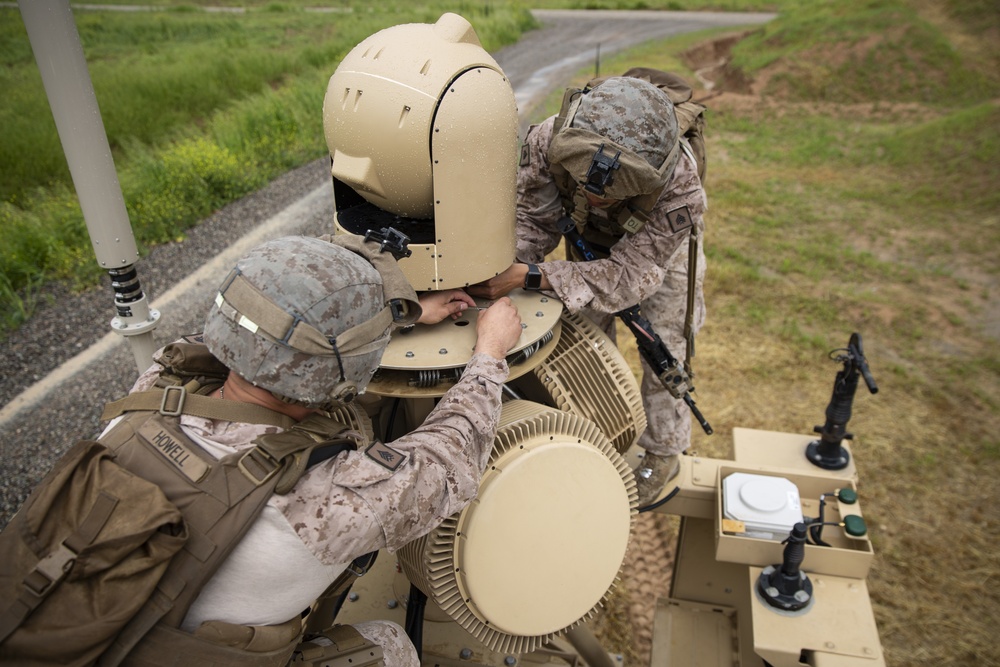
point(500, 285)
point(446, 303)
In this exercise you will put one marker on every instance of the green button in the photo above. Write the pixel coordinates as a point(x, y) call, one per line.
point(855, 525)
point(847, 496)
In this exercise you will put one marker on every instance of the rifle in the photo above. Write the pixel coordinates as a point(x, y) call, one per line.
point(652, 348)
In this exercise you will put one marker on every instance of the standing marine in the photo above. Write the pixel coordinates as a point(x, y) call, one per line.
point(615, 166)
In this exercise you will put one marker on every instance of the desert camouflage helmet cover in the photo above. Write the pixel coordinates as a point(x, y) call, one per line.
point(628, 115)
point(302, 316)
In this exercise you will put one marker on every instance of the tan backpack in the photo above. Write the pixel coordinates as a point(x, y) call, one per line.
point(123, 533)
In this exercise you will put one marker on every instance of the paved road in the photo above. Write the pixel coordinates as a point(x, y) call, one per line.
point(63, 364)
point(571, 41)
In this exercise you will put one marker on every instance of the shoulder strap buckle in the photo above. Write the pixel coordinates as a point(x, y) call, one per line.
point(50, 570)
point(360, 565)
point(258, 466)
point(181, 396)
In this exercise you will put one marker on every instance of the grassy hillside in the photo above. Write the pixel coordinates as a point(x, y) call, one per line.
point(853, 163)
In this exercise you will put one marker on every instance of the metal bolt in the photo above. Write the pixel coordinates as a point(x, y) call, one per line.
point(545, 299)
point(772, 591)
point(392, 604)
point(523, 325)
point(443, 351)
point(539, 314)
point(510, 661)
point(353, 597)
point(801, 596)
point(465, 653)
point(409, 355)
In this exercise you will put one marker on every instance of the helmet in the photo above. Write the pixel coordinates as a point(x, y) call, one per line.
point(303, 318)
point(620, 139)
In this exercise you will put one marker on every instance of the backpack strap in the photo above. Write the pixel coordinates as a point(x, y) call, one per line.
point(326, 607)
point(174, 401)
point(310, 441)
point(190, 372)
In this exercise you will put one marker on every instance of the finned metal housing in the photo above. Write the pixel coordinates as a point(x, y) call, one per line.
point(542, 545)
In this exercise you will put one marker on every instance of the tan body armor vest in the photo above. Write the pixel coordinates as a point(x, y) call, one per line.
point(104, 559)
point(219, 500)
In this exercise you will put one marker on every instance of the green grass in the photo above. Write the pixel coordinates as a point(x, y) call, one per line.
point(287, 5)
point(671, 5)
point(199, 110)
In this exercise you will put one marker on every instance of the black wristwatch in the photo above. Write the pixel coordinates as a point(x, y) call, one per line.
point(533, 280)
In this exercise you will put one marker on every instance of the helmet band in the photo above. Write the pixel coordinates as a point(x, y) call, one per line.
point(243, 303)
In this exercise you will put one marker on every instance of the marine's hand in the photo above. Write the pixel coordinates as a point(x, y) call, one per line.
point(500, 285)
point(498, 328)
point(439, 305)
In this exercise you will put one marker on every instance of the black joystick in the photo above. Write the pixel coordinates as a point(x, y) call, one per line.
point(785, 586)
point(828, 452)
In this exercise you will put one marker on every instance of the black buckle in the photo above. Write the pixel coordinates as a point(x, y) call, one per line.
point(601, 172)
point(391, 240)
point(360, 565)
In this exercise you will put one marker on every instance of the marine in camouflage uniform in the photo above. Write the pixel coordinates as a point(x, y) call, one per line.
point(354, 503)
point(348, 506)
point(648, 266)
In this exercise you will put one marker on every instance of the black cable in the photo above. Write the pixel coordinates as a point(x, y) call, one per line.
point(415, 619)
point(816, 529)
point(392, 419)
point(816, 526)
point(818, 542)
point(660, 502)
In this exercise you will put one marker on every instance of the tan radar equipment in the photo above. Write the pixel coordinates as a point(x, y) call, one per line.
point(421, 124)
point(587, 375)
point(422, 132)
point(542, 545)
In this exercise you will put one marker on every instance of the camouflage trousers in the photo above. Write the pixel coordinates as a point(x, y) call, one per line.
point(668, 429)
point(397, 650)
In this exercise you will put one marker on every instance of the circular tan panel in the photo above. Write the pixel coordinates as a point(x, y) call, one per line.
point(546, 537)
point(409, 383)
point(449, 344)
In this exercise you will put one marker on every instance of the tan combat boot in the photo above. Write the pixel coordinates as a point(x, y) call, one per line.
point(652, 475)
